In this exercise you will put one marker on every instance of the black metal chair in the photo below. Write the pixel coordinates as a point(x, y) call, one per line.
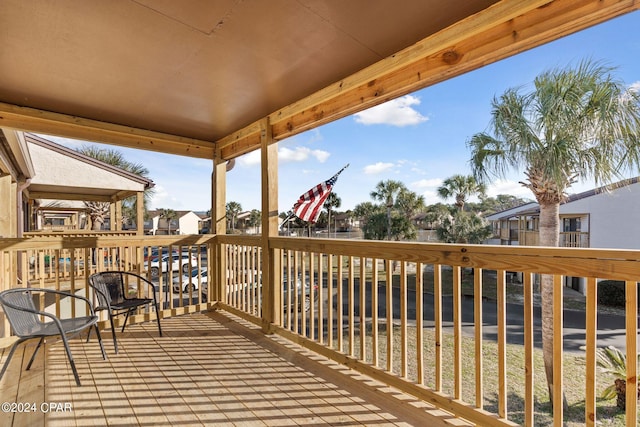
point(112, 292)
point(28, 322)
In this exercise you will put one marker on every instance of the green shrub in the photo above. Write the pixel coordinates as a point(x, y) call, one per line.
point(612, 293)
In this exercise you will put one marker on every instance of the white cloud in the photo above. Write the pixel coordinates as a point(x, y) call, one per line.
point(504, 186)
point(635, 87)
point(300, 154)
point(431, 197)
point(286, 155)
point(249, 159)
point(162, 199)
point(427, 188)
point(397, 112)
point(377, 168)
point(426, 183)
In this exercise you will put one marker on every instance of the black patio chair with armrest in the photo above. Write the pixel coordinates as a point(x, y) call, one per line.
point(28, 322)
point(112, 291)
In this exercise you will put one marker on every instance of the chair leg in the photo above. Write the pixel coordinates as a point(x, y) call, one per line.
point(158, 318)
point(126, 317)
point(113, 333)
point(33, 356)
point(6, 363)
point(70, 357)
point(104, 353)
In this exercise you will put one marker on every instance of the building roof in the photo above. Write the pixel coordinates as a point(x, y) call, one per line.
point(533, 208)
point(65, 174)
point(204, 78)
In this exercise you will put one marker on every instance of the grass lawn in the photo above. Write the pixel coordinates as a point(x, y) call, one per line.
point(574, 364)
point(574, 377)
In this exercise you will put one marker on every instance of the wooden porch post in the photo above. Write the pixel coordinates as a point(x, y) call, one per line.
point(271, 259)
point(218, 227)
point(118, 224)
point(9, 208)
point(140, 213)
point(112, 215)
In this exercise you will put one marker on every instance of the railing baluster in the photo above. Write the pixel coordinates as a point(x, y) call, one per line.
point(301, 294)
point(591, 331)
point(528, 349)
point(631, 311)
point(291, 280)
point(477, 320)
point(403, 319)
point(340, 305)
point(288, 274)
point(363, 309)
point(389, 297)
point(375, 354)
point(351, 300)
point(259, 281)
point(558, 315)
point(312, 310)
point(72, 278)
point(320, 299)
point(330, 317)
point(457, 332)
point(437, 318)
point(420, 322)
point(501, 307)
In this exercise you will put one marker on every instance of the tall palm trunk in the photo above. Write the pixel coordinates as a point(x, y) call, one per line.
point(549, 228)
point(97, 212)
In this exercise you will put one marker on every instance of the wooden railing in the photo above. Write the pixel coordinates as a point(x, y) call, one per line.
point(574, 239)
point(568, 239)
point(65, 262)
point(431, 320)
point(428, 319)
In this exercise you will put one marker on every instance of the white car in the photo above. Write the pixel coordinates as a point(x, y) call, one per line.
point(190, 281)
point(179, 262)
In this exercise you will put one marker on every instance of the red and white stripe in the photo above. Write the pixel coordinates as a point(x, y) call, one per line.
point(309, 205)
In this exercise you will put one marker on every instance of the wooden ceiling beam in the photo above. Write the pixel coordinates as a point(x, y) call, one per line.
point(47, 122)
point(500, 31)
point(33, 195)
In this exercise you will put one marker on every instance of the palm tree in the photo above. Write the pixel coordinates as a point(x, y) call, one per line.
point(233, 209)
point(409, 203)
point(255, 218)
point(612, 361)
point(576, 123)
point(169, 215)
point(463, 227)
point(386, 192)
point(98, 210)
point(333, 201)
point(461, 187)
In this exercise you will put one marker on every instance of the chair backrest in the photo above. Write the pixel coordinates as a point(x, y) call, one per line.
point(109, 288)
point(15, 303)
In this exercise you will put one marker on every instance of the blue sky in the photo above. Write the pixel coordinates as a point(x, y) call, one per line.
point(419, 139)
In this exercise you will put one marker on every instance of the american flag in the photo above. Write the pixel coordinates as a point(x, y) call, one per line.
point(309, 205)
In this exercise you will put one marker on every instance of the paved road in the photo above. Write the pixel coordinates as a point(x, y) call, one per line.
point(611, 328)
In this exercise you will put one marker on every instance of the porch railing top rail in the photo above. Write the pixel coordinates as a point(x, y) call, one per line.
point(619, 264)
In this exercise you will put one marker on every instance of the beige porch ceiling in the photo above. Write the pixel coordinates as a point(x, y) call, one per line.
point(201, 78)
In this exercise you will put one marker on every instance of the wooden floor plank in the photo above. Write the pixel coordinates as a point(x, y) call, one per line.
point(206, 369)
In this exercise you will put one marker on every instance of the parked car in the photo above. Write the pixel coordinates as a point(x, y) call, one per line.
point(153, 253)
point(304, 303)
point(304, 300)
point(178, 262)
point(189, 281)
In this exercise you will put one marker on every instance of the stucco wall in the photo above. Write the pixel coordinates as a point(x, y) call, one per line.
point(614, 217)
point(57, 169)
